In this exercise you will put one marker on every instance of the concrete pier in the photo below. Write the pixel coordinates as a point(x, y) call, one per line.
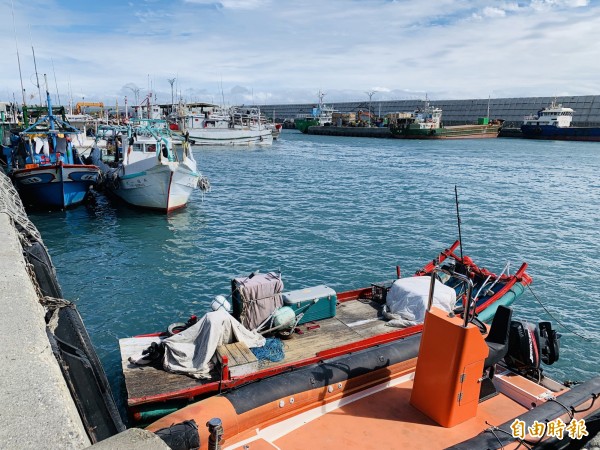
point(38, 410)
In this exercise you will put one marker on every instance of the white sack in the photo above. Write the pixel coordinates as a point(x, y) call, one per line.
point(407, 299)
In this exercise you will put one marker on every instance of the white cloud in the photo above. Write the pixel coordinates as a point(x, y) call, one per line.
point(232, 4)
point(490, 11)
point(254, 50)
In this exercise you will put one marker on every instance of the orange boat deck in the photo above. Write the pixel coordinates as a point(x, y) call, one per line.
point(383, 420)
point(380, 418)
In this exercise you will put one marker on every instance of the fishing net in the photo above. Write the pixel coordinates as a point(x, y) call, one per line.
point(272, 351)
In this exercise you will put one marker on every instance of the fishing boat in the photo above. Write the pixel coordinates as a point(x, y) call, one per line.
point(7, 122)
point(554, 122)
point(45, 167)
point(320, 116)
point(145, 170)
point(426, 123)
point(468, 388)
point(217, 126)
point(327, 325)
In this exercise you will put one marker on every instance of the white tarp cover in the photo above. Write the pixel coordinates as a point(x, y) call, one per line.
point(190, 352)
point(407, 299)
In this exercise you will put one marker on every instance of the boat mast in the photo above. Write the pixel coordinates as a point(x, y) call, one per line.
point(37, 78)
point(18, 58)
point(55, 82)
point(50, 115)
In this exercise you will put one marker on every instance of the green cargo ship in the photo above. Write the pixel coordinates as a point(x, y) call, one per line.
point(320, 115)
point(426, 123)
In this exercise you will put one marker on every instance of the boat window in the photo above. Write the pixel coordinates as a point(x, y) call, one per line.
point(151, 148)
point(138, 148)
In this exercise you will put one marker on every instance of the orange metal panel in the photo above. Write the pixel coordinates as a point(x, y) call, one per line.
point(450, 363)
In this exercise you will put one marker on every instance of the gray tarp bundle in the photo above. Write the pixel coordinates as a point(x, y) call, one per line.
point(259, 295)
point(190, 352)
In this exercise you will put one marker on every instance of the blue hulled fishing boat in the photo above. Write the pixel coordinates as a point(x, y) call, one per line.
point(46, 169)
point(554, 122)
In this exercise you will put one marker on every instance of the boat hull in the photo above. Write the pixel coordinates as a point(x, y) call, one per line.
point(304, 124)
point(230, 136)
point(151, 183)
point(455, 132)
point(561, 133)
point(161, 188)
point(58, 186)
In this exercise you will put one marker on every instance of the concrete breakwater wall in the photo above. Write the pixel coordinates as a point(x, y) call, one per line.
point(459, 112)
point(38, 408)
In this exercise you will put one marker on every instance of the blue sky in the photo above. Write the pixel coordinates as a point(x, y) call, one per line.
point(275, 51)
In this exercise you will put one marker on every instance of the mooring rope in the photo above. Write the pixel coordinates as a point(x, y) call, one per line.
point(557, 321)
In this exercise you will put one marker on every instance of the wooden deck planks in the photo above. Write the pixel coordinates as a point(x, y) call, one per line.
point(241, 360)
point(142, 381)
point(355, 320)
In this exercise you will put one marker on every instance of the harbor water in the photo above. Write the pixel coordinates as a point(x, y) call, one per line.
point(343, 212)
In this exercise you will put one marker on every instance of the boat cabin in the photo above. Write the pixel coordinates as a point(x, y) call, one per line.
point(428, 118)
point(555, 116)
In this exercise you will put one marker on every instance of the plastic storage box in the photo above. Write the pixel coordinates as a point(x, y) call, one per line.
point(316, 302)
point(380, 290)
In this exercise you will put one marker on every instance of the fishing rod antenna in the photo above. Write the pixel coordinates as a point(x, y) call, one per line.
point(458, 221)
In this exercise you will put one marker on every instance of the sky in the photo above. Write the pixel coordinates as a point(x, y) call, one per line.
point(282, 51)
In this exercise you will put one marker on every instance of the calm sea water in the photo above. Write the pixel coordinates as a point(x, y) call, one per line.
point(343, 212)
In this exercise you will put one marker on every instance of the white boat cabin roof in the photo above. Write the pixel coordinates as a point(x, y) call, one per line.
point(555, 115)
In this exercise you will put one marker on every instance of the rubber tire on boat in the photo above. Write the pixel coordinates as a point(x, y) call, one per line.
point(176, 327)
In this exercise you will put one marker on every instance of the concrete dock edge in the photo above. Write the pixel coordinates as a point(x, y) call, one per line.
point(38, 410)
point(37, 407)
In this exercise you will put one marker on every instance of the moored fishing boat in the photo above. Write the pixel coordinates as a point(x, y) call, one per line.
point(146, 171)
point(329, 325)
point(217, 126)
point(45, 167)
point(426, 123)
point(468, 388)
point(321, 115)
point(554, 122)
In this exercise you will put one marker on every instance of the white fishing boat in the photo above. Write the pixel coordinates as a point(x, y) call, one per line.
point(145, 170)
point(217, 126)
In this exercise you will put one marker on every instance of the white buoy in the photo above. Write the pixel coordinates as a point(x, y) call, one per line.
point(220, 302)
